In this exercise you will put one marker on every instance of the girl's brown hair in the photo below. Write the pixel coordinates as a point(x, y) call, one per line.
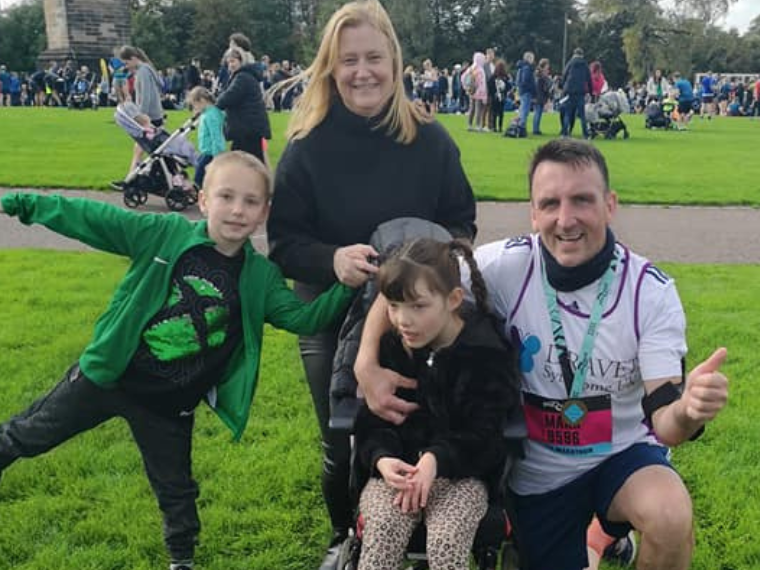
point(434, 261)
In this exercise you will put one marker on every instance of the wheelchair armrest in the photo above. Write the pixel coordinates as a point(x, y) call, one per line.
point(343, 414)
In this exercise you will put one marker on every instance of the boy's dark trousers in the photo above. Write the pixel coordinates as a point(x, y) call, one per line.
point(76, 405)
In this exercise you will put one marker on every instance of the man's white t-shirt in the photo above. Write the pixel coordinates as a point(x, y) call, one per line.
point(641, 337)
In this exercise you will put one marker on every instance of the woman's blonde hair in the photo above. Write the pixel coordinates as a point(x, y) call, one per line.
point(402, 116)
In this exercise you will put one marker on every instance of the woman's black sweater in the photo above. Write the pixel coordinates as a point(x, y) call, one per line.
point(336, 185)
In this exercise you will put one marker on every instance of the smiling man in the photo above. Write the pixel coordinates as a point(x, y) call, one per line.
point(581, 308)
point(601, 338)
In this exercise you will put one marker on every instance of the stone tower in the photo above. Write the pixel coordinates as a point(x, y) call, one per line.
point(84, 30)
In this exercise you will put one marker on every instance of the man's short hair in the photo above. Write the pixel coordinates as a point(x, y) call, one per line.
point(572, 152)
point(578, 52)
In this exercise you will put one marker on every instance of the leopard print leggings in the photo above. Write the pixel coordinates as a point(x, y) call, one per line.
point(452, 516)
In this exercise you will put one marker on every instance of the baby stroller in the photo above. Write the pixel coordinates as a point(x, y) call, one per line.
point(82, 94)
point(163, 173)
point(494, 539)
point(603, 117)
point(658, 115)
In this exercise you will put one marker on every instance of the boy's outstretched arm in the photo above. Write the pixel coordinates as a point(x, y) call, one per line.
point(99, 225)
point(283, 309)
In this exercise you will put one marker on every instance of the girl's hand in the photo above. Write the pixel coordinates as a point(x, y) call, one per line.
point(405, 500)
point(415, 497)
point(427, 469)
point(352, 266)
point(396, 473)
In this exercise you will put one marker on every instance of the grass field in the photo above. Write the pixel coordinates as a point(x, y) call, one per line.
point(714, 163)
point(87, 505)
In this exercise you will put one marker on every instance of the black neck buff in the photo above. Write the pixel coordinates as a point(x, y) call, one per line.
point(573, 278)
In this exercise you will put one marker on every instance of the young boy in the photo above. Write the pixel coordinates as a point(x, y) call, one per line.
point(185, 323)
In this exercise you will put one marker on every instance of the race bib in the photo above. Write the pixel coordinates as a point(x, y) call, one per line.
point(578, 426)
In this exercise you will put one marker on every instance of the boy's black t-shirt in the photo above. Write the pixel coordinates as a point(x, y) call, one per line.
point(185, 347)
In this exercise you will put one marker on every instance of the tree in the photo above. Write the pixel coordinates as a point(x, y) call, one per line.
point(215, 21)
point(162, 30)
point(22, 35)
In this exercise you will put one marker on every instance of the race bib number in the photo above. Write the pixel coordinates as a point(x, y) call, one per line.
point(579, 426)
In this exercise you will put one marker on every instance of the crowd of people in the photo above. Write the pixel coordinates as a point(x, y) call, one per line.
point(570, 331)
point(54, 85)
point(486, 87)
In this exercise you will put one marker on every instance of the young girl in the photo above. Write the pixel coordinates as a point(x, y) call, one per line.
point(437, 463)
point(210, 129)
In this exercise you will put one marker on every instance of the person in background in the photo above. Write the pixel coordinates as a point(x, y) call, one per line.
point(147, 97)
point(576, 84)
point(544, 86)
point(210, 126)
point(685, 98)
point(598, 81)
point(247, 121)
point(526, 88)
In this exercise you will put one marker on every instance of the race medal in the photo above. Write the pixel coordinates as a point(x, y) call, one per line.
point(574, 412)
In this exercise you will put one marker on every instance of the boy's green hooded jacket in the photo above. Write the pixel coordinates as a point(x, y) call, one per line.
point(154, 242)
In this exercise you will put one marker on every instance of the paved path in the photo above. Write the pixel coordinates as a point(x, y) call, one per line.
point(678, 234)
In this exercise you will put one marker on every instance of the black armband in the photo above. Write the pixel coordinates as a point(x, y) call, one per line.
point(659, 398)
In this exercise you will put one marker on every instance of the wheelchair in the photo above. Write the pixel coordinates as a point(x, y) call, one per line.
point(494, 546)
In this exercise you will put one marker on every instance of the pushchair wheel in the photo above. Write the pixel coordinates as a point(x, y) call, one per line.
point(132, 198)
point(192, 196)
point(176, 199)
point(142, 197)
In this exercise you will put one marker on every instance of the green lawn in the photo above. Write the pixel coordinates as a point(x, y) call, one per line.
point(87, 504)
point(714, 163)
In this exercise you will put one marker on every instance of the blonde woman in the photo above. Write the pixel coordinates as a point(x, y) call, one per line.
point(359, 153)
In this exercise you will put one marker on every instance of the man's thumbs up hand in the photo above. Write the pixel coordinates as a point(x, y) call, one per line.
point(706, 391)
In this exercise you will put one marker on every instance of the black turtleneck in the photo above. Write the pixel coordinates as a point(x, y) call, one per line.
point(567, 279)
point(346, 177)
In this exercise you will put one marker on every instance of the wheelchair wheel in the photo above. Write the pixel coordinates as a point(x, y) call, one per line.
point(348, 557)
point(509, 557)
point(176, 199)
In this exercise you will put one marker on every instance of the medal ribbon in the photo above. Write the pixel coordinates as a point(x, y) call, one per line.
point(574, 381)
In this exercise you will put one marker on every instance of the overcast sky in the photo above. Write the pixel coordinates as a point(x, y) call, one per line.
point(739, 16)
